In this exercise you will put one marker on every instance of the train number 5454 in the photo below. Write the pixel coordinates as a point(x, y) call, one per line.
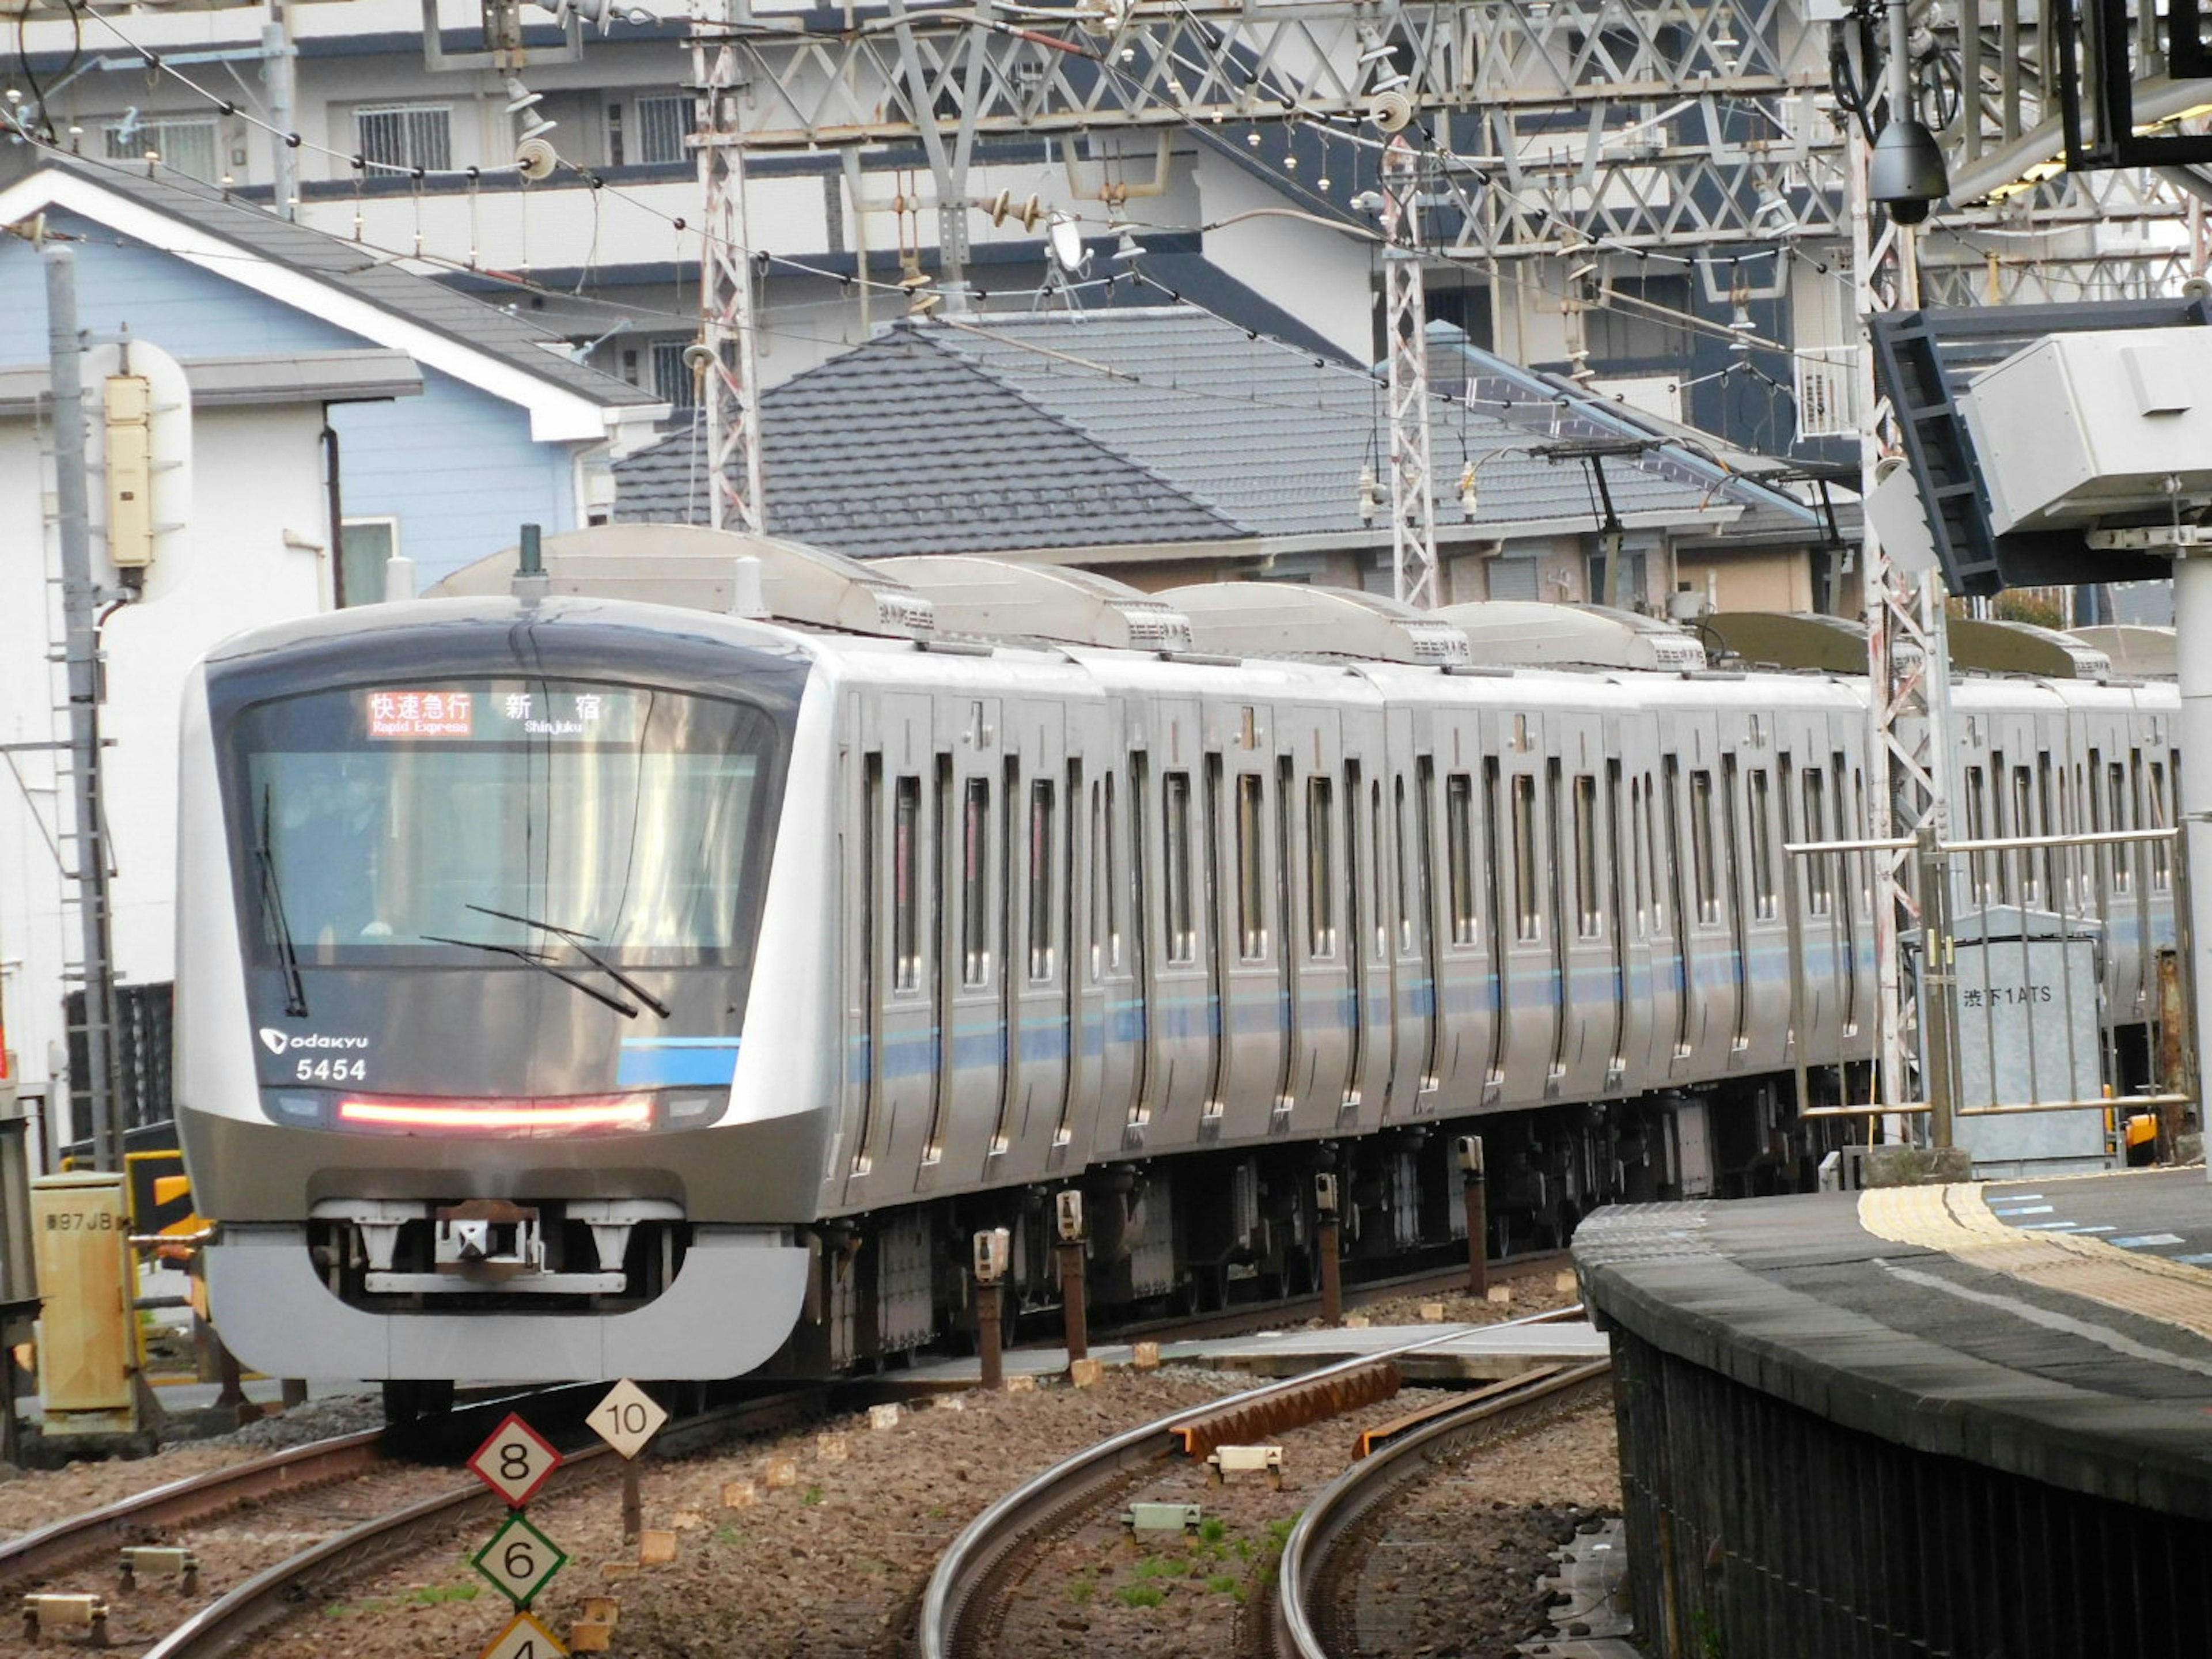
point(329, 1070)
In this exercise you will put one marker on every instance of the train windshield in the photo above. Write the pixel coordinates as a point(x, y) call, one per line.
point(499, 816)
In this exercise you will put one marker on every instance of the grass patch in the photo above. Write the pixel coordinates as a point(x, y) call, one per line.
point(1140, 1595)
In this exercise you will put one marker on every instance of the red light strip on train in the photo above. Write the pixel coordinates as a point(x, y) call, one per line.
point(620, 1112)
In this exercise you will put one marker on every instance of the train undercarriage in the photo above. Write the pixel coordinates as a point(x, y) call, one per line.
point(1212, 1232)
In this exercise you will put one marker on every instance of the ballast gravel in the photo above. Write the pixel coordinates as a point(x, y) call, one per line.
point(808, 1547)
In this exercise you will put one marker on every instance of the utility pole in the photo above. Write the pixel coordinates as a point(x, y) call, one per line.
point(1908, 653)
point(1404, 310)
point(81, 660)
point(730, 382)
point(278, 58)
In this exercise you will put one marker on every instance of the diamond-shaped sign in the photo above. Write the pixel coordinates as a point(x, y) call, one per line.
point(627, 1418)
point(514, 1460)
point(520, 1559)
point(525, 1638)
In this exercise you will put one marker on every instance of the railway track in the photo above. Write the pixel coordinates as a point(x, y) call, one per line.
point(1310, 1618)
point(302, 1493)
point(968, 1594)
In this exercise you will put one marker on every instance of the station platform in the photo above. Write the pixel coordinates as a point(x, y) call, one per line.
point(1963, 1419)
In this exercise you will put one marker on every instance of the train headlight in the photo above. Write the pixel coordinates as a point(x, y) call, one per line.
point(564, 1116)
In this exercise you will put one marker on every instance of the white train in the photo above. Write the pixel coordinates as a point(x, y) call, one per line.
point(573, 987)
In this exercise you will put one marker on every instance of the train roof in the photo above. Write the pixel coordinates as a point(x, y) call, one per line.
point(1503, 632)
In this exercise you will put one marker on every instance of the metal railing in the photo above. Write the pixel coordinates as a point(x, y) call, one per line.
point(2032, 954)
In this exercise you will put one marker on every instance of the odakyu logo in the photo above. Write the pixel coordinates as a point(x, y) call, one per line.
point(282, 1042)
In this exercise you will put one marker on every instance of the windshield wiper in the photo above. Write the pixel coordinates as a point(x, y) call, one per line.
point(627, 1010)
point(272, 897)
point(576, 944)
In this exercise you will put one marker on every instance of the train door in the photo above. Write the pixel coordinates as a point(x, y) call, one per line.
point(1400, 846)
point(896, 990)
point(1691, 795)
point(1181, 1016)
point(1243, 882)
point(1517, 817)
point(1102, 881)
point(1033, 952)
point(1803, 783)
point(1367, 933)
point(1318, 946)
point(1653, 965)
point(1759, 931)
point(968, 809)
point(1466, 1009)
point(1581, 907)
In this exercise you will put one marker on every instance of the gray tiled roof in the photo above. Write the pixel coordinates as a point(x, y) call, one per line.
point(354, 269)
point(1119, 427)
point(900, 446)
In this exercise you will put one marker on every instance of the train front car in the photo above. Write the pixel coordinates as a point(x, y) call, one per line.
point(469, 898)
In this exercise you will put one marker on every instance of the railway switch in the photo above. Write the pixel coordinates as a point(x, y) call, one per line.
point(1162, 1517)
point(141, 1561)
point(44, 1612)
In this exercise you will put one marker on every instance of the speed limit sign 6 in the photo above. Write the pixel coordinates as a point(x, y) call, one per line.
point(520, 1559)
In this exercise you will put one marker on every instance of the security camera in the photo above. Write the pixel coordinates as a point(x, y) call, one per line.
point(1907, 174)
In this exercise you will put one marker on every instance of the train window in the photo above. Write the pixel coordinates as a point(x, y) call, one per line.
point(2123, 858)
point(1976, 828)
point(1107, 876)
point(1819, 893)
point(905, 937)
point(2161, 853)
point(975, 880)
point(1705, 878)
point(1459, 856)
point(1651, 860)
point(1589, 907)
point(1636, 855)
point(1762, 846)
point(1375, 843)
point(2023, 824)
point(1251, 872)
point(1044, 903)
point(1321, 868)
point(1176, 879)
point(1526, 925)
point(1402, 867)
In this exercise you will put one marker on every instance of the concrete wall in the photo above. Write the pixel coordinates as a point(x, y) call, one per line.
point(256, 475)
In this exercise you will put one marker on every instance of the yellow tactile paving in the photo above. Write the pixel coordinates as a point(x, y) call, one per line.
point(1958, 1222)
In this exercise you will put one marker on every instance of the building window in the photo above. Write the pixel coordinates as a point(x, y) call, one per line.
point(1628, 580)
point(674, 381)
point(186, 146)
point(365, 550)
point(406, 136)
point(662, 124)
point(1648, 323)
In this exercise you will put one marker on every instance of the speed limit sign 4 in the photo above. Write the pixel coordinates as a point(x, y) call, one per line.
point(520, 1559)
point(524, 1638)
point(627, 1418)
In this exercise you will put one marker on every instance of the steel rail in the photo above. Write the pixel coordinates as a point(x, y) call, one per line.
point(198, 1498)
point(986, 1543)
point(195, 1497)
point(273, 1593)
point(1373, 1480)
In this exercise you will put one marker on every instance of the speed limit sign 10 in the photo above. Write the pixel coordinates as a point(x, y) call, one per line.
point(627, 1418)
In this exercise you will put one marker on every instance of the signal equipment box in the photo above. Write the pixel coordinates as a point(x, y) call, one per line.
point(81, 1230)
